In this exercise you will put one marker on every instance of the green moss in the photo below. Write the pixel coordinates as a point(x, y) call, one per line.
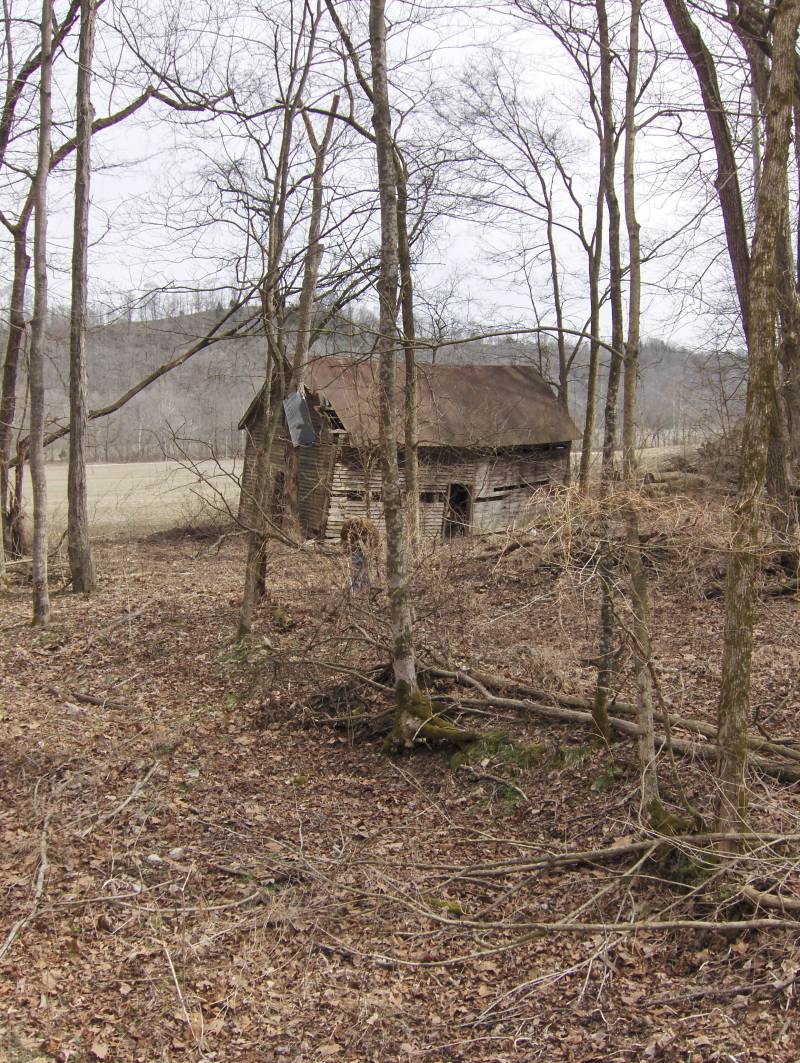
point(667, 823)
point(281, 619)
point(415, 719)
point(451, 907)
point(608, 777)
point(499, 750)
point(569, 756)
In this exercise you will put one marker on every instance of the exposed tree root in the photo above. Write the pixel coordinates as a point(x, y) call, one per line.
point(416, 719)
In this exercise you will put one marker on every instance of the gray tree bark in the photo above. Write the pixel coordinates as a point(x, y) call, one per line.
point(639, 589)
point(305, 308)
point(410, 422)
point(407, 721)
point(81, 560)
point(762, 300)
point(606, 565)
point(41, 595)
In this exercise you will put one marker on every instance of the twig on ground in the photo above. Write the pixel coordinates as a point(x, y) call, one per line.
point(105, 817)
point(38, 890)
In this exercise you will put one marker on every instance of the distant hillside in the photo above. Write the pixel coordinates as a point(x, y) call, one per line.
point(202, 401)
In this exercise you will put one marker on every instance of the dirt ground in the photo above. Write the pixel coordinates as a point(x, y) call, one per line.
point(203, 860)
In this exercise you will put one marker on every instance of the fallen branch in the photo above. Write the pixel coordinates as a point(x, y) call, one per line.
point(38, 890)
point(90, 699)
point(776, 901)
point(564, 711)
point(498, 780)
point(105, 817)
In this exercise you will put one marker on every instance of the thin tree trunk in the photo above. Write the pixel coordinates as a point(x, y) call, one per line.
point(410, 426)
point(259, 511)
point(407, 721)
point(278, 373)
point(81, 561)
point(606, 562)
point(305, 309)
point(640, 592)
point(741, 585)
point(41, 596)
point(14, 349)
point(595, 261)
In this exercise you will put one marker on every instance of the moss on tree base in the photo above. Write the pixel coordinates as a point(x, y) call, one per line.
point(416, 720)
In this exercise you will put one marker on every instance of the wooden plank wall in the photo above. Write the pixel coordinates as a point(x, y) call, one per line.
point(501, 486)
point(334, 485)
point(255, 434)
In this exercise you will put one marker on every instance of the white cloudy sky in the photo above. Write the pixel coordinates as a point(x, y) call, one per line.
point(146, 164)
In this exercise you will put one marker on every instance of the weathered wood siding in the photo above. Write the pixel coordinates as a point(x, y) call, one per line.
point(338, 481)
point(500, 485)
point(316, 467)
point(255, 436)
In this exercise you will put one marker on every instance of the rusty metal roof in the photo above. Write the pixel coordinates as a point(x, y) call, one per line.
point(458, 405)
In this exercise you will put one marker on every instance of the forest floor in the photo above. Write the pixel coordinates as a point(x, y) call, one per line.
point(206, 865)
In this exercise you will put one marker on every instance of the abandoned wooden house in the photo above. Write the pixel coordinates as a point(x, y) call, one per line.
point(489, 437)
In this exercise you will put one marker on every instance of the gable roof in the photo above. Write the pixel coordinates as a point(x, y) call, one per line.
point(458, 405)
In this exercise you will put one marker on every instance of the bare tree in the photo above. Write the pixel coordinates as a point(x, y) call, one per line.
point(763, 305)
point(606, 564)
point(407, 722)
point(639, 591)
point(81, 561)
point(41, 594)
point(305, 308)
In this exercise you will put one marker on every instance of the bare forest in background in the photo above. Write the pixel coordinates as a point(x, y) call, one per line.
point(687, 397)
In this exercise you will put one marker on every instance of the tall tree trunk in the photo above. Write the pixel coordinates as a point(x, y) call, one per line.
point(14, 348)
point(741, 585)
point(595, 261)
point(410, 428)
point(259, 511)
point(305, 309)
point(81, 561)
point(41, 595)
point(640, 592)
point(606, 562)
point(405, 674)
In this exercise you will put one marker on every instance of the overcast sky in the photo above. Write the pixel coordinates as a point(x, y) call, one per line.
point(145, 165)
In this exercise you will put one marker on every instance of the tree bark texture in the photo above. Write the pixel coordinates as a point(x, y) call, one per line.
point(407, 722)
point(595, 262)
point(762, 300)
point(41, 595)
point(639, 588)
point(410, 422)
point(8, 398)
point(606, 562)
point(305, 308)
point(81, 561)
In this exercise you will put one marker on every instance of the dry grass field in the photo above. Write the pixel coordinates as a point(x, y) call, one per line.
point(144, 496)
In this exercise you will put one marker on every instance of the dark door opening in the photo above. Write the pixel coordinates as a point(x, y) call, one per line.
point(458, 512)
